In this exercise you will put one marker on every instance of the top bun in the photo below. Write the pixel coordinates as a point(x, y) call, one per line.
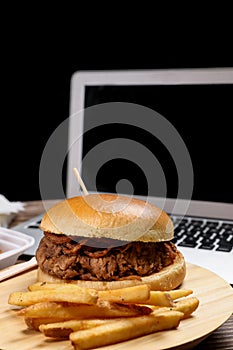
point(109, 216)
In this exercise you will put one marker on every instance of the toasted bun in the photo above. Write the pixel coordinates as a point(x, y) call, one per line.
point(168, 278)
point(109, 216)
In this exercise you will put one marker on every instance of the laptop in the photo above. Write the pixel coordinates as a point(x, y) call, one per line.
point(161, 135)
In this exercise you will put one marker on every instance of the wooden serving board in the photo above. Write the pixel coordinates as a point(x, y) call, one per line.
point(216, 306)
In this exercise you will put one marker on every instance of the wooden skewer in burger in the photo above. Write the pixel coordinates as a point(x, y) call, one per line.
point(108, 241)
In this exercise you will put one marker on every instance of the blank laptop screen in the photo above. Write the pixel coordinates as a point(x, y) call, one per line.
point(202, 115)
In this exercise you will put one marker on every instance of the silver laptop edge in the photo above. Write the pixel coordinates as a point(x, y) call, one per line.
point(142, 77)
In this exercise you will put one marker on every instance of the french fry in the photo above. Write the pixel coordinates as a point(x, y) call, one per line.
point(91, 318)
point(166, 298)
point(159, 299)
point(123, 329)
point(159, 309)
point(63, 329)
point(136, 294)
point(187, 306)
point(35, 323)
point(179, 293)
point(49, 286)
point(59, 294)
point(69, 311)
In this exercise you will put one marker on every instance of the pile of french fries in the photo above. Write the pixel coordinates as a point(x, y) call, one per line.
point(91, 318)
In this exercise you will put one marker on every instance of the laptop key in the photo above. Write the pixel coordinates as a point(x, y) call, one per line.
point(227, 233)
point(191, 233)
point(187, 244)
point(214, 230)
point(212, 223)
point(196, 223)
point(206, 235)
point(224, 247)
point(189, 241)
point(181, 227)
point(184, 221)
point(207, 244)
point(227, 227)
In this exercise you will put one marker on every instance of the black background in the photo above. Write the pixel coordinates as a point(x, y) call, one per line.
point(36, 71)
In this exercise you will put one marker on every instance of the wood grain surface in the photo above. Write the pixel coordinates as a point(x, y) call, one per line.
point(216, 305)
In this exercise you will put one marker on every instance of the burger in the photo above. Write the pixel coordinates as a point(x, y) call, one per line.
point(109, 241)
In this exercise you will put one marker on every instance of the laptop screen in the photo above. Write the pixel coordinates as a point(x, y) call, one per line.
point(202, 114)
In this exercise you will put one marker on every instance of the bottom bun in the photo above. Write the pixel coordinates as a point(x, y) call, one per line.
point(168, 278)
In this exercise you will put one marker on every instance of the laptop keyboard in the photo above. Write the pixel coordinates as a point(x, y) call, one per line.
point(204, 234)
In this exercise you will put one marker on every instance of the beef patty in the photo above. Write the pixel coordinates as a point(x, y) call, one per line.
point(63, 257)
